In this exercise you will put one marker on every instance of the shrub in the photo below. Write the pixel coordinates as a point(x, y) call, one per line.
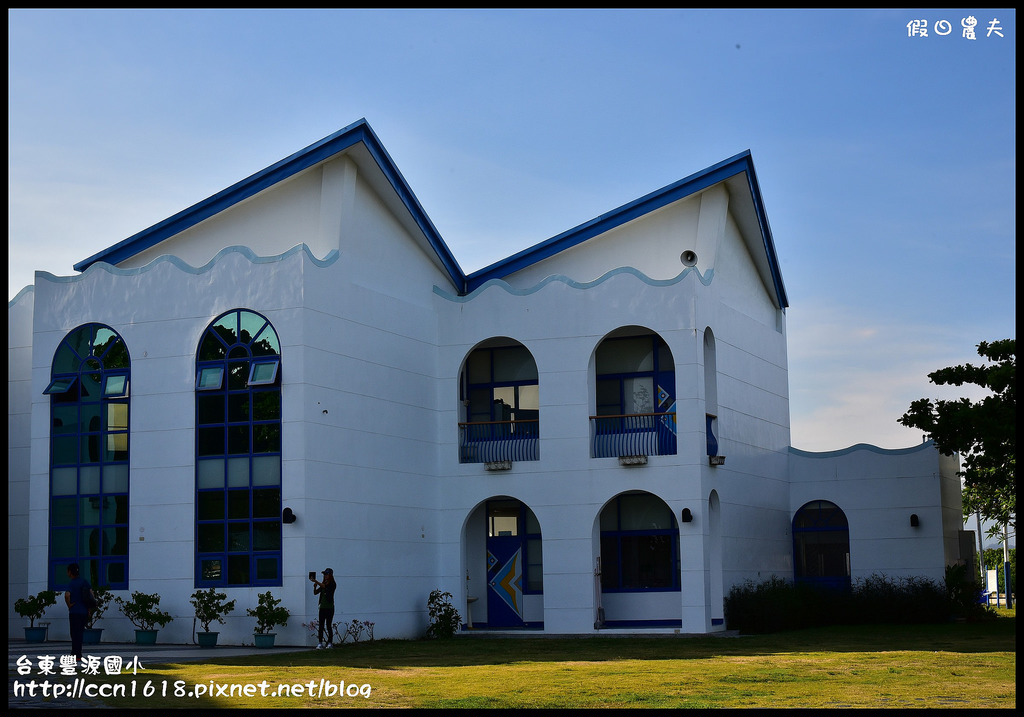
point(143, 612)
point(34, 606)
point(444, 618)
point(268, 613)
point(211, 606)
point(103, 599)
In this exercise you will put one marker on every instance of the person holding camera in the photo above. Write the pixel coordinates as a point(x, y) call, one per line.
point(325, 590)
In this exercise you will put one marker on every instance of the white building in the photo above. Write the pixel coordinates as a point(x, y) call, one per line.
point(613, 400)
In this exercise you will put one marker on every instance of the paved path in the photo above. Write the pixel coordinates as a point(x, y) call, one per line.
point(18, 651)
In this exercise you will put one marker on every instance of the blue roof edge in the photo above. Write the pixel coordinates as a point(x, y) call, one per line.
point(325, 148)
point(742, 162)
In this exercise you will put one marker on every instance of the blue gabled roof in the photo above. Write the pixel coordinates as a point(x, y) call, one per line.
point(655, 200)
point(360, 132)
point(319, 151)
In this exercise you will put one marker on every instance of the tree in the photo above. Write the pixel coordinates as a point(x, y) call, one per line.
point(983, 432)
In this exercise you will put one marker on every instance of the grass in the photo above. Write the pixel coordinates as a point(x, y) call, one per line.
point(953, 665)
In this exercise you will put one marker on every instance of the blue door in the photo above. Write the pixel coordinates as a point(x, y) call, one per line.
point(504, 581)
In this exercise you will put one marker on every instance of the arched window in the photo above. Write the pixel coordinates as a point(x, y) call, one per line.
point(501, 397)
point(238, 452)
point(639, 544)
point(89, 436)
point(821, 545)
point(634, 397)
point(711, 391)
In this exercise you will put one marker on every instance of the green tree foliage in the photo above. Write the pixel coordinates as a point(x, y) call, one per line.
point(983, 432)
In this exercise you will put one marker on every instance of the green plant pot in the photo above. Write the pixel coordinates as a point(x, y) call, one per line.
point(264, 640)
point(35, 634)
point(207, 639)
point(145, 637)
point(92, 636)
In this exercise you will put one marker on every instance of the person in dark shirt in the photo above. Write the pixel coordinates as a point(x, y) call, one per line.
point(325, 590)
point(78, 610)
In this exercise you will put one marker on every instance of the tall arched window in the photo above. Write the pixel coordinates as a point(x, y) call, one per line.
point(88, 390)
point(238, 452)
point(821, 545)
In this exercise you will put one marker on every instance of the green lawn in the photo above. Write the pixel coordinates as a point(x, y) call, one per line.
point(955, 665)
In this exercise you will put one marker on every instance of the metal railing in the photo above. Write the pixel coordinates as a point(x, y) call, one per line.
point(493, 441)
point(638, 434)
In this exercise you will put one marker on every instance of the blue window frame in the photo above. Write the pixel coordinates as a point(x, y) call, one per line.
point(89, 450)
point(238, 453)
point(501, 394)
point(639, 544)
point(635, 398)
point(821, 545)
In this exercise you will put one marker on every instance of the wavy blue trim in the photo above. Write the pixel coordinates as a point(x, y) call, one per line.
point(30, 289)
point(331, 257)
point(862, 447)
point(572, 283)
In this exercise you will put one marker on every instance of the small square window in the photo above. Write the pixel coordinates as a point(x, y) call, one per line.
point(263, 373)
point(210, 378)
point(60, 385)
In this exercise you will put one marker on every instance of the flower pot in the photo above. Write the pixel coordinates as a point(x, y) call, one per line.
point(91, 636)
point(145, 637)
point(35, 634)
point(207, 639)
point(264, 639)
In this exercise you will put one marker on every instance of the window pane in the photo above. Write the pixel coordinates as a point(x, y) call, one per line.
point(266, 470)
point(210, 505)
point(211, 441)
point(266, 503)
point(263, 373)
point(478, 367)
point(238, 439)
point(211, 569)
point(238, 473)
point(211, 537)
point(251, 325)
point(116, 574)
point(90, 510)
point(238, 504)
point(210, 408)
point(238, 407)
point(266, 438)
point(514, 364)
point(212, 348)
point(116, 386)
point(266, 535)
point(65, 450)
point(210, 378)
point(59, 385)
point(238, 537)
point(89, 479)
point(645, 512)
point(115, 479)
point(90, 387)
point(115, 540)
point(64, 481)
point(238, 373)
point(210, 474)
point(266, 405)
point(117, 447)
point(91, 542)
point(267, 569)
point(62, 544)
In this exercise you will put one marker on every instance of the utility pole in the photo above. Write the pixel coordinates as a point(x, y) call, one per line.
point(1006, 568)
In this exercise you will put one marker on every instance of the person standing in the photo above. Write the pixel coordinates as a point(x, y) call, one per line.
point(325, 590)
point(78, 598)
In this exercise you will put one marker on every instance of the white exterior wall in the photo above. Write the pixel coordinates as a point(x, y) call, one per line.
point(19, 438)
point(878, 490)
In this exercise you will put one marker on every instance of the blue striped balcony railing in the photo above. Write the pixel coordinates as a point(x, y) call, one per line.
point(640, 434)
point(493, 441)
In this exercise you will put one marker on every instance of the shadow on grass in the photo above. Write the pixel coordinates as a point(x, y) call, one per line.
point(997, 635)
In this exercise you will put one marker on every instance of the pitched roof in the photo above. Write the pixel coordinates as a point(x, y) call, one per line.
point(360, 134)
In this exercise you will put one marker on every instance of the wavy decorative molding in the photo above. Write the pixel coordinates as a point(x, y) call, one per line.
point(330, 258)
point(30, 289)
point(572, 283)
point(862, 447)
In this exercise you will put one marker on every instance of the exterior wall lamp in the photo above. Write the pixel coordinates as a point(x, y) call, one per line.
point(914, 522)
point(686, 515)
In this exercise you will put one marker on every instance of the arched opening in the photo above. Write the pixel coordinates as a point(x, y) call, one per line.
point(238, 452)
point(821, 545)
point(634, 396)
point(639, 569)
point(499, 393)
point(89, 457)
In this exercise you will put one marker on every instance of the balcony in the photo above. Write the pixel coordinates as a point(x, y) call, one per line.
point(499, 441)
point(638, 434)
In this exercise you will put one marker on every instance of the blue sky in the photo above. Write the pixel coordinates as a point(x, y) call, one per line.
point(886, 162)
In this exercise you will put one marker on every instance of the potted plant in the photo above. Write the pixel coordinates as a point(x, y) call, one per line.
point(210, 606)
point(143, 612)
point(92, 634)
point(33, 608)
point(268, 613)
